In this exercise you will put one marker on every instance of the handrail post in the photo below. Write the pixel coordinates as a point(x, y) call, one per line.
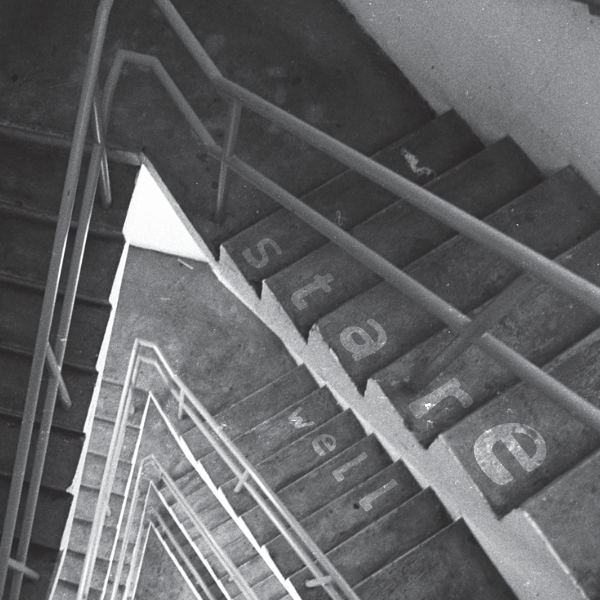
point(233, 125)
point(100, 135)
point(469, 334)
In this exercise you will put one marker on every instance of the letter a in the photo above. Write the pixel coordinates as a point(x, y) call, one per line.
point(488, 461)
point(369, 345)
point(264, 259)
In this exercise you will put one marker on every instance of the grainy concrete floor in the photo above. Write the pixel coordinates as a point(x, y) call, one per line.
point(215, 344)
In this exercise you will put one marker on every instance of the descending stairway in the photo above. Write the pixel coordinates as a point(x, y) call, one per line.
point(365, 339)
point(31, 178)
point(376, 524)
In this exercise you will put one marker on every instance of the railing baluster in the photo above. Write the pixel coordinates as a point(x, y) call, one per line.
point(499, 307)
point(233, 125)
point(100, 134)
point(55, 369)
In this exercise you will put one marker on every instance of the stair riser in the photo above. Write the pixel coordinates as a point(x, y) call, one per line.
point(16, 370)
point(26, 248)
point(20, 310)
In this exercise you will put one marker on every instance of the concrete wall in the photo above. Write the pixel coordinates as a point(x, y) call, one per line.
point(526, 69)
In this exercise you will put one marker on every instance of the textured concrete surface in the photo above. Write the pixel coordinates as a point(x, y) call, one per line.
point(216, 345)
point(160, 578)
point(307, 56)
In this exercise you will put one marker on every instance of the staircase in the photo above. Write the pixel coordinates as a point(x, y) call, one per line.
point(497, 452)
point(31, 178)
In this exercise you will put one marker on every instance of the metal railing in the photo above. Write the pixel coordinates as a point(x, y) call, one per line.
point(144, 352)
point(526, 259)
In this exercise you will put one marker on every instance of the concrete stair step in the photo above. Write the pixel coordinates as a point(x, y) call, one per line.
point(479, 186)
point(319, 487)
point(462, 272)
point(462, 571)
point(101, 436)
point(270, 589)
point(26, 248)
point(62, 458)
point(80, 536)
point(73, 567)
point(41, 560)
point(199, 569)
point(33, 175)
point(539, 328)
point(256, 408)
point(15, 368)
point(267, 402)
point(211, 516)
point(382, 542)
point(86, 506)
point(437, 146)
point(51, 513)
point(94, 470)
point(567, 514)
point(20, 309)
point(275, 433)
point(345, 516)
point(538, 440)
point(301, 457)
point(110, 398)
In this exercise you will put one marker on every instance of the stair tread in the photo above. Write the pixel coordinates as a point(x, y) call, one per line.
point(20, 308)
point(319, 487)
point(439, 144)
point(568, 515)
point(498, 174)
point(463, 273)
point(462, 572)
point(95, 465)
point(539, 328)
point(86, 506)
point(101, 438)
point(273, 434)
point(344, 516)
point(42, 561)
point(51, 514)
point(34, 174)
point(564, 439)
point(26, 248)
point(62, 458)
point(256, 408)
point(379, 544)
point(16, 367)
point(301, 457)
point(80, 536)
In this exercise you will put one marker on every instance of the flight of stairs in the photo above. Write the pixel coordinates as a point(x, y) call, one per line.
point(378, 527)
point(31, 177)
point(475, 423)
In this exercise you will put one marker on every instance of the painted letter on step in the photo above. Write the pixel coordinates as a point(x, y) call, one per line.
point(488, 461)
point(321, 282)
point(339, 472)
point(264, 259)
point(324, 442)
point(368, 346)
point(367, 502)
point(297, 421)
point(450, 389)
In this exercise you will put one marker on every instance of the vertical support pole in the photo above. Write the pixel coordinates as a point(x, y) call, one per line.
point(499, 307)
point(233, 125)
point(100, 135)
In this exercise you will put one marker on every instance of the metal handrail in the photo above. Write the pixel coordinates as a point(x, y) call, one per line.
point(286, 523)
point(188, 563)
point(517, 253)
point(304, 546)
point(524, 257)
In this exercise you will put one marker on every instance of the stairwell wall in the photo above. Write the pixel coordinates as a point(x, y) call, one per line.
point(525, 69)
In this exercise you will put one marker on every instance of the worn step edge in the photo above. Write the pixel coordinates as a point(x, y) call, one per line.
point(520, 554)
